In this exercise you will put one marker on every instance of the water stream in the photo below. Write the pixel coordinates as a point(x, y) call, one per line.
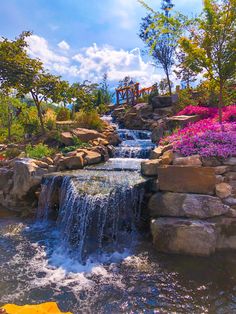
point(91, 258)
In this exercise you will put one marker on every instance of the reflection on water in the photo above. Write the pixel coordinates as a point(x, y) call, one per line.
point(33, 269)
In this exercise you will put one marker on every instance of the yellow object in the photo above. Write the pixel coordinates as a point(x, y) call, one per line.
point(44, 308)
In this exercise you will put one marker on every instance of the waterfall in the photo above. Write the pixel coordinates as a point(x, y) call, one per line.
point(135, 144)
point(96, 211)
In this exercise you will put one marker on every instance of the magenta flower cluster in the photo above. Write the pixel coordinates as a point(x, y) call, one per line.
point(229, 112)
point(206, 137)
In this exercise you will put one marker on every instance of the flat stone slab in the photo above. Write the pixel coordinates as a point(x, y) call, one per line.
point(185, 179)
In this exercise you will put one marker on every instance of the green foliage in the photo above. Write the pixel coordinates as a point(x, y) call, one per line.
point(77, 144)
point(152, 95)
point(63, 114)
point(160, 33)
point(89, 120)
point(38, 151)
point(12, 153)
point(212, 44)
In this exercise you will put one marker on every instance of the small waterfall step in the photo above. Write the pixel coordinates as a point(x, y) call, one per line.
point(96, 210)
point(135, 144)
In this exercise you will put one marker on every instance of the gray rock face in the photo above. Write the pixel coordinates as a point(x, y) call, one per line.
point(186, 205)
point(184, 236)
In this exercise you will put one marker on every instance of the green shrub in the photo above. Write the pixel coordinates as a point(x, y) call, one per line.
point(89, 120)
point(12, 153)
point(38, 151)
point(63, 114)
point(77, 144)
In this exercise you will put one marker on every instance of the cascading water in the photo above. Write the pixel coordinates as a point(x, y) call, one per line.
point(135, 144)
point(96, 211)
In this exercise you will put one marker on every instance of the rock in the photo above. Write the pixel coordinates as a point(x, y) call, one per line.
point(158, 151)
point(187, 179)
point(223, 190)
point(168, 157)
point(231, 201)
point(154, 186)
point(86, 135)
point(230, 161)
point(194, 160)
point(113, 139)
point(161, 101)
point(5, 176)
point(100, 141)
point(219, 179)
point(48, 160)
point(149, 167)
point(226, 232)
point(158, 133)
point(27, 176)
point(71, 163)
point(41, 163)
point(52, 168)
point(67, 138)
point(230, 176)
point(93, 158)
point(219, 170)
point(184, 236)
point(181, 121)
point(211, 162)
point(186, 205)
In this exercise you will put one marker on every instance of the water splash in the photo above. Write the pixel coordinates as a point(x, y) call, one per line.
point(96, 211)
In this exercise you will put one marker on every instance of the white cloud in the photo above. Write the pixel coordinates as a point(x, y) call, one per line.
point(39, 48)
point(63, 45)
point(92, 62)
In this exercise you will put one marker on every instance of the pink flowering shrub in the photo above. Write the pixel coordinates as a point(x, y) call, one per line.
point(229, 112)
point(204, 112)
point(206, 138)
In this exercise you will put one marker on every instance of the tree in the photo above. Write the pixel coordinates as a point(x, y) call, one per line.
point(27, 75)
point(10, 108)
point(161, 32)
point(183, 71)
point(164, 85)
point(211, 48)
point(106, 95)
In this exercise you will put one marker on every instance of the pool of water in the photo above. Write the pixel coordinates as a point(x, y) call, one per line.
point(34, 268)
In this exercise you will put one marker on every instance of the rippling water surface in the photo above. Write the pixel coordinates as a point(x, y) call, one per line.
point(34, 269)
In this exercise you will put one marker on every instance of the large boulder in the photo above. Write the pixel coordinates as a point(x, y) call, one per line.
point(67, 138)
point(86, 135)
point(184, 236)
point(226, 232)
point(5, 175)
point(71, 162)
point(27, 176)
point(186, 205)
point(149, 167)
point(161, 101)
point(187, 179)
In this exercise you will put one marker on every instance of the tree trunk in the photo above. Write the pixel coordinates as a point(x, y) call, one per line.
point(169, 83)
point(9, 122)
point(37, 103)
point(221, 101)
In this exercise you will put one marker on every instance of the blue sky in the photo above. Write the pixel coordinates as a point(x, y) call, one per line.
point(82, 39)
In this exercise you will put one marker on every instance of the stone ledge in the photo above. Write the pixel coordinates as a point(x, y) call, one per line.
point(187, 179)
